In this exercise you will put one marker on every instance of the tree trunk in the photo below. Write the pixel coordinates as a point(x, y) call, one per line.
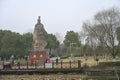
point(113, 55)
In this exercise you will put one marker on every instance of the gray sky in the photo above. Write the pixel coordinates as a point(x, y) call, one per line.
point(56, 15)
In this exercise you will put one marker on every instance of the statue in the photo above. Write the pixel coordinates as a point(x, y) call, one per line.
point(39, 39)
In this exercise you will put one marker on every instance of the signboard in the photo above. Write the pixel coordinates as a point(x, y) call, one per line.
point(48, 65)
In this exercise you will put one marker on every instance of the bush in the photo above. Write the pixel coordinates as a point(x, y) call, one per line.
point(109, 64)
point(63, 57)
point(52, 55)
point(77, 55)
point(100, 78)
point(106, 65)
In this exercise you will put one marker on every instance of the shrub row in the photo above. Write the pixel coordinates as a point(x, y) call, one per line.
point(110, 64)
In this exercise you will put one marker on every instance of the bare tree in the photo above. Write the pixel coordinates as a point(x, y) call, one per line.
point(103, 30)
point(90, 38)
point(59, 37)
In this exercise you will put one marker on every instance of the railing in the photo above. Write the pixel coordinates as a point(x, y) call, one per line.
point(53, 65)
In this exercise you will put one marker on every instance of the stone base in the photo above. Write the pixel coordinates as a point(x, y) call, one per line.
point(38, 56)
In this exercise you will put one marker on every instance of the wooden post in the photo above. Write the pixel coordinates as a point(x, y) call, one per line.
point(35, 65)
point(61, 64)
point(27, 64)
point(3, 65)
point(79, 64)
point(44, 65)
point(11, 65)
point(70, 64)
point(18, 65)
point(53, 64)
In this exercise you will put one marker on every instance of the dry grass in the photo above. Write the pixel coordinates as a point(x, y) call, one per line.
point(41, 77)
point(90, 60)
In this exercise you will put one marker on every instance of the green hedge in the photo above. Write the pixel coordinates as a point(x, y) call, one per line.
point(110, 64)
point(100, 78)
point(64, 57)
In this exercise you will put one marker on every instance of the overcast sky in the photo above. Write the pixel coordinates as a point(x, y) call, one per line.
point(56, 15)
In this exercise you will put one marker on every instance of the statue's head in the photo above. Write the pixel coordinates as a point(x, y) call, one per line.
point(38, 21)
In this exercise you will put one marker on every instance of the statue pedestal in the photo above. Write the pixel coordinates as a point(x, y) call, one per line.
point(38, 56)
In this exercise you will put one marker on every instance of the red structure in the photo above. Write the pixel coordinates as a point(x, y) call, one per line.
point(38, 56)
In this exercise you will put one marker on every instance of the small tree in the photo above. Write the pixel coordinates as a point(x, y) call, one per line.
point(52, 42)
point(72, 40)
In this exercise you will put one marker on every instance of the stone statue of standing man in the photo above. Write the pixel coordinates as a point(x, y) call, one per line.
point(39, 39)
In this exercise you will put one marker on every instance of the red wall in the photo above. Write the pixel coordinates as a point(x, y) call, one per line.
point(37, 56)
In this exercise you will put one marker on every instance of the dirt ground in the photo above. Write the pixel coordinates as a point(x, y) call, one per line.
point(42, 77)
